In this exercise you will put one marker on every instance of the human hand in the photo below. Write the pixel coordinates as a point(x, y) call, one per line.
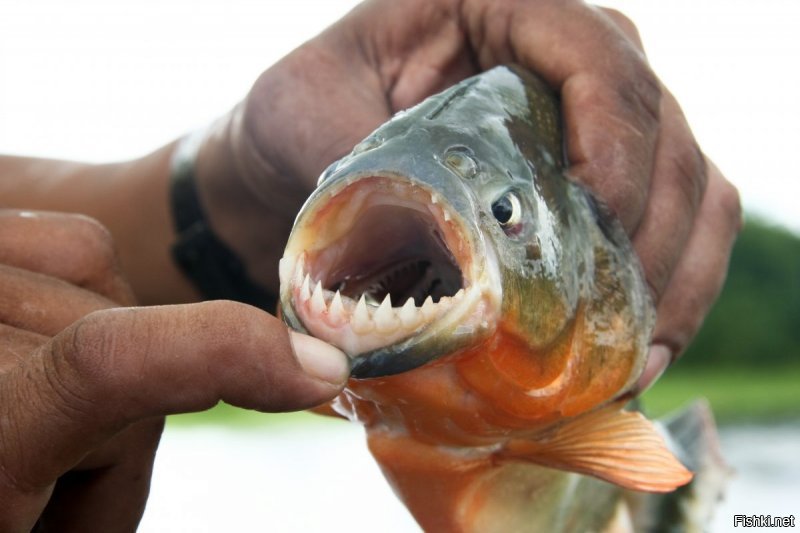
point(626, 137)
point(85, 383)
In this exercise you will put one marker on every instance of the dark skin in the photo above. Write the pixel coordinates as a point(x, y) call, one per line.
point(627, 138)
point(86, 378)
point(85, 385)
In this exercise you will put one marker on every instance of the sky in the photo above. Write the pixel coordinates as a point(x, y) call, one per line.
point(102, 80)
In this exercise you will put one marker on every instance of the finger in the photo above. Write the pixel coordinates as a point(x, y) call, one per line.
point(413, 56)
point(659, 358)
point(610, 96)
point(43, 304)
point(118, 366)
point(678, 184)
point(701, 272)
point(74, 248)
point(108, 490)
point(17, 345)
point(679, 180)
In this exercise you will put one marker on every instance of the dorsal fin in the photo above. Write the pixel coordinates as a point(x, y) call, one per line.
point(618, 446)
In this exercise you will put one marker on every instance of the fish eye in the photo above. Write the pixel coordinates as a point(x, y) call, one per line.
point(508, 211)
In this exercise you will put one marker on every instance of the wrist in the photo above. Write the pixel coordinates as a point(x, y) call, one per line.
point(139, 218)
point(248, 206)
point(215, 270)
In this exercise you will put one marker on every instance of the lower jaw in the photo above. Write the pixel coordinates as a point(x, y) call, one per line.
point(450, 326)
point(446, 337)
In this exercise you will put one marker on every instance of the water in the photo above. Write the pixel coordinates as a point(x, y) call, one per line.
point(311, 478)
point(766, 481)
point(322, 478)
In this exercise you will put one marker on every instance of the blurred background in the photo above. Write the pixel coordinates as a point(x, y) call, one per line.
point(106, 80)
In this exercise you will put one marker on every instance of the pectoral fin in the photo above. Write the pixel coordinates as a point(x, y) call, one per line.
point(618, 446)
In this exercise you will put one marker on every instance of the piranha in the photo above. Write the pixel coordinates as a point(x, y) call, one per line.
point(496, 319)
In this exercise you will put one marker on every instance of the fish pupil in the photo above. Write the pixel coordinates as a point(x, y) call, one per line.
point(503, 210)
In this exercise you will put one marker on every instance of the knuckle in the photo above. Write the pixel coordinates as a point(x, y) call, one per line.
point(627, 199)
point(97, 244)
point(689, 323)
point(79, 345)
point(100, 269)
point(78, 369)
point(682, 327)
point(657, 277)
point(690, 173)
point(639, 90)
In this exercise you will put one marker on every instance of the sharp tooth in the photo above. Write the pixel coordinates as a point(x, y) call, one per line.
point(434, 198)
point(446, 215)
point(385, 319)
point(318, 300)
point(305, 290)
point(361, 321)
point(299, 269)
point(337, 307)
point(428, 308)
point(459, 294)
point(409, 314)
point(286, 268)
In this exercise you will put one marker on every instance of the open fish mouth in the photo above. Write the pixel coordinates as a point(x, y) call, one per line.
point(380, 264)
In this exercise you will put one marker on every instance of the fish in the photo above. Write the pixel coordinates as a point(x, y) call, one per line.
point(496, 318)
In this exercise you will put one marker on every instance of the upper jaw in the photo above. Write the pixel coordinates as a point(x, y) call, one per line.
point(332, 261)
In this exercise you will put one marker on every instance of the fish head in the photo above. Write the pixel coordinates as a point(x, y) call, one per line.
point(448, 222)
point(387, 260)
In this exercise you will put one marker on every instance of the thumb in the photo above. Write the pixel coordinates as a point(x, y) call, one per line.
point(115, 367)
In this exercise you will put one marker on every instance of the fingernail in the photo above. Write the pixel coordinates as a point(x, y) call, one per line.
point(658, 359)
point(320, 359)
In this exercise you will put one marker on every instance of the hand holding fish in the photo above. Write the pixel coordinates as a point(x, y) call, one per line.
point(85, 384)
point(103, 376)
point(626, 137)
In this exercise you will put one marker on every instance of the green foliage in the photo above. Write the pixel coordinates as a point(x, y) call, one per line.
point(234, 417)
point(735, 394)
point(756, 321)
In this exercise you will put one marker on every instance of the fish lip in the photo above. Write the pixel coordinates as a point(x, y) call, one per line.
point(480, 283)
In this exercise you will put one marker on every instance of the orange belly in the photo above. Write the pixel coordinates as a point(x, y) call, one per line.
point(494, 391)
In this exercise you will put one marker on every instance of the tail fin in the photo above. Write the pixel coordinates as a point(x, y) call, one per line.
point(692, 436)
